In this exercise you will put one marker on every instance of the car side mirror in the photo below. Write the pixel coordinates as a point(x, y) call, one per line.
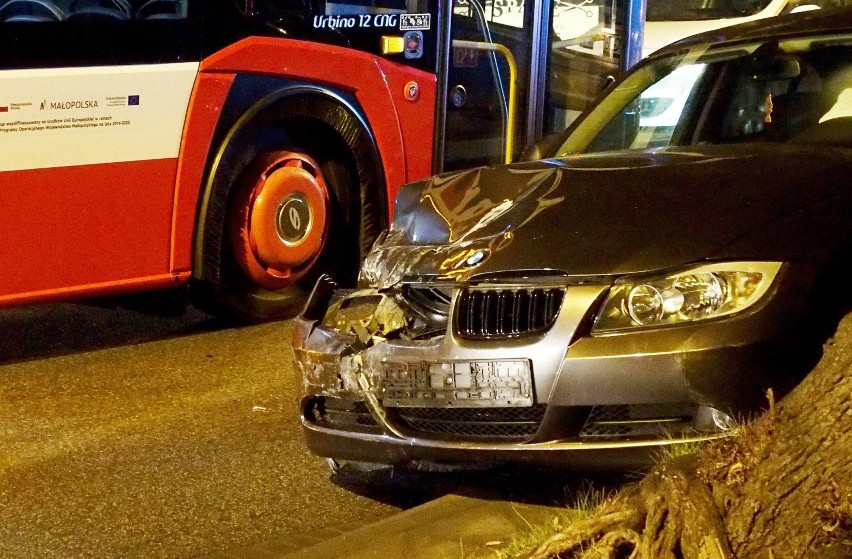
point(543, 148)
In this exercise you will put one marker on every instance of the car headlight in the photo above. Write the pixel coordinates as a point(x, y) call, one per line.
point(700, 293)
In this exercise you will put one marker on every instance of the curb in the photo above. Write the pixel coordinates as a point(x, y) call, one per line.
point(284, 545)
point(451, 527)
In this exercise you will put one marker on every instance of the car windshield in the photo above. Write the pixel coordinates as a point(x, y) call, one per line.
point(797, 90)
point(693, 10)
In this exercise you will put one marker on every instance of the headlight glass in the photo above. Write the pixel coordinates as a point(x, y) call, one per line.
point(704, 292)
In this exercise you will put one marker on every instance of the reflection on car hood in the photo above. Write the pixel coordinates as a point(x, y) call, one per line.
point(605, 214)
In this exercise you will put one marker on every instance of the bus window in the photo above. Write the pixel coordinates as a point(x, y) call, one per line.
point(161, 9)
point(552, 88)
point(371, 7)
point(584, 54)
point(478, 108)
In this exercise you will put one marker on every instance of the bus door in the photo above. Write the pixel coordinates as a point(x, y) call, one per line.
point(93, 96)
point(518, 70)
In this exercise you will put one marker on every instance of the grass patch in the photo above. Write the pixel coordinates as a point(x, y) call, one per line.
point(586, 500)
point(675, 451)
point(534, 535)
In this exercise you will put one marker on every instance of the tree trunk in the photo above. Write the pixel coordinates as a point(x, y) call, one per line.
point(780, 489)
point(795, 495)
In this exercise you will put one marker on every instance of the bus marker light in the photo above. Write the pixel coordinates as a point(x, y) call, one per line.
point(392, 45)
point(412, 91)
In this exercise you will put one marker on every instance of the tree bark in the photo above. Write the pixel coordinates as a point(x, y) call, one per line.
point(782, 488)
point(795, 490)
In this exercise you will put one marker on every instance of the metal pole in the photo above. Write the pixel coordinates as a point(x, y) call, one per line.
point(635, 24)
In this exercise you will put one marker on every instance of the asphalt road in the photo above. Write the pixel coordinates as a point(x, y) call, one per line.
point(124, 434)
point(178, 447)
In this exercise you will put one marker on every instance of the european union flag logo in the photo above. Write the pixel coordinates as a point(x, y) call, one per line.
point(132, 100)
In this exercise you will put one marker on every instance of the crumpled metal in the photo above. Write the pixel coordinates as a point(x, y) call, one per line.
point(367, 315)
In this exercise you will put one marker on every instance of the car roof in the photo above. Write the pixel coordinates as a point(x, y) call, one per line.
point(829, 21)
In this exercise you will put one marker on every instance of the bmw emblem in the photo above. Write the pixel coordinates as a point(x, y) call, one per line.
point(475, 258)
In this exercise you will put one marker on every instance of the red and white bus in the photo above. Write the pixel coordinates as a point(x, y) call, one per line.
point(249, 146)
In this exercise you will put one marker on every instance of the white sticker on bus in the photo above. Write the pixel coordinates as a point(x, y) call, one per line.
point(61, 117)
point(415, 22)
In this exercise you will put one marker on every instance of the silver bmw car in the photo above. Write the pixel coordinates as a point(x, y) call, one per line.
point(682, 248)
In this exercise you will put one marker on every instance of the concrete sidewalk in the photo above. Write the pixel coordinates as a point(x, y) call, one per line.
point(452, 527)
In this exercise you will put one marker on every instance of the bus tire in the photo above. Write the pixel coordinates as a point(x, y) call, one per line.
point(296, 193)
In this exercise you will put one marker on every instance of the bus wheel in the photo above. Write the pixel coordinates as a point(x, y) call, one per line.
point(296, 192)
point(280, 224)
point(291, 216)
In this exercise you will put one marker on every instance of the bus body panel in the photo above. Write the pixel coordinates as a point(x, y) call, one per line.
point(105, 289)
point(56, 241)
point(87, 174)
point(416, 119)
point(57, 117)
point(124, 241)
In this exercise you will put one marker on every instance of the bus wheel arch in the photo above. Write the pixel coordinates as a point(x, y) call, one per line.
point(296, 189)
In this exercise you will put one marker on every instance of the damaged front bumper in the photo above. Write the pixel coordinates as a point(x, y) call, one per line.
point(384, 384)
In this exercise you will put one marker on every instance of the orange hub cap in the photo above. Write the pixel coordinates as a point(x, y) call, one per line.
point(282, 222)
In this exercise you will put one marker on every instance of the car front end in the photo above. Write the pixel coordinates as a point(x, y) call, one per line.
point(514, 371)
point(471, 343)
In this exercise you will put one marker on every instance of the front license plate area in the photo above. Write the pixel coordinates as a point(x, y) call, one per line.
point(461, 384)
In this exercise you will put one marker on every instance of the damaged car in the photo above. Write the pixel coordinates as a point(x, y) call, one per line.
point(642, 285)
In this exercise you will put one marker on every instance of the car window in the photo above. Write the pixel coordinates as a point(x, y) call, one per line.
point(661, 106)
point(798, 91)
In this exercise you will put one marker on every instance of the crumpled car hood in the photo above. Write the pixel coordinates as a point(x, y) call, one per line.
point(602, 214)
